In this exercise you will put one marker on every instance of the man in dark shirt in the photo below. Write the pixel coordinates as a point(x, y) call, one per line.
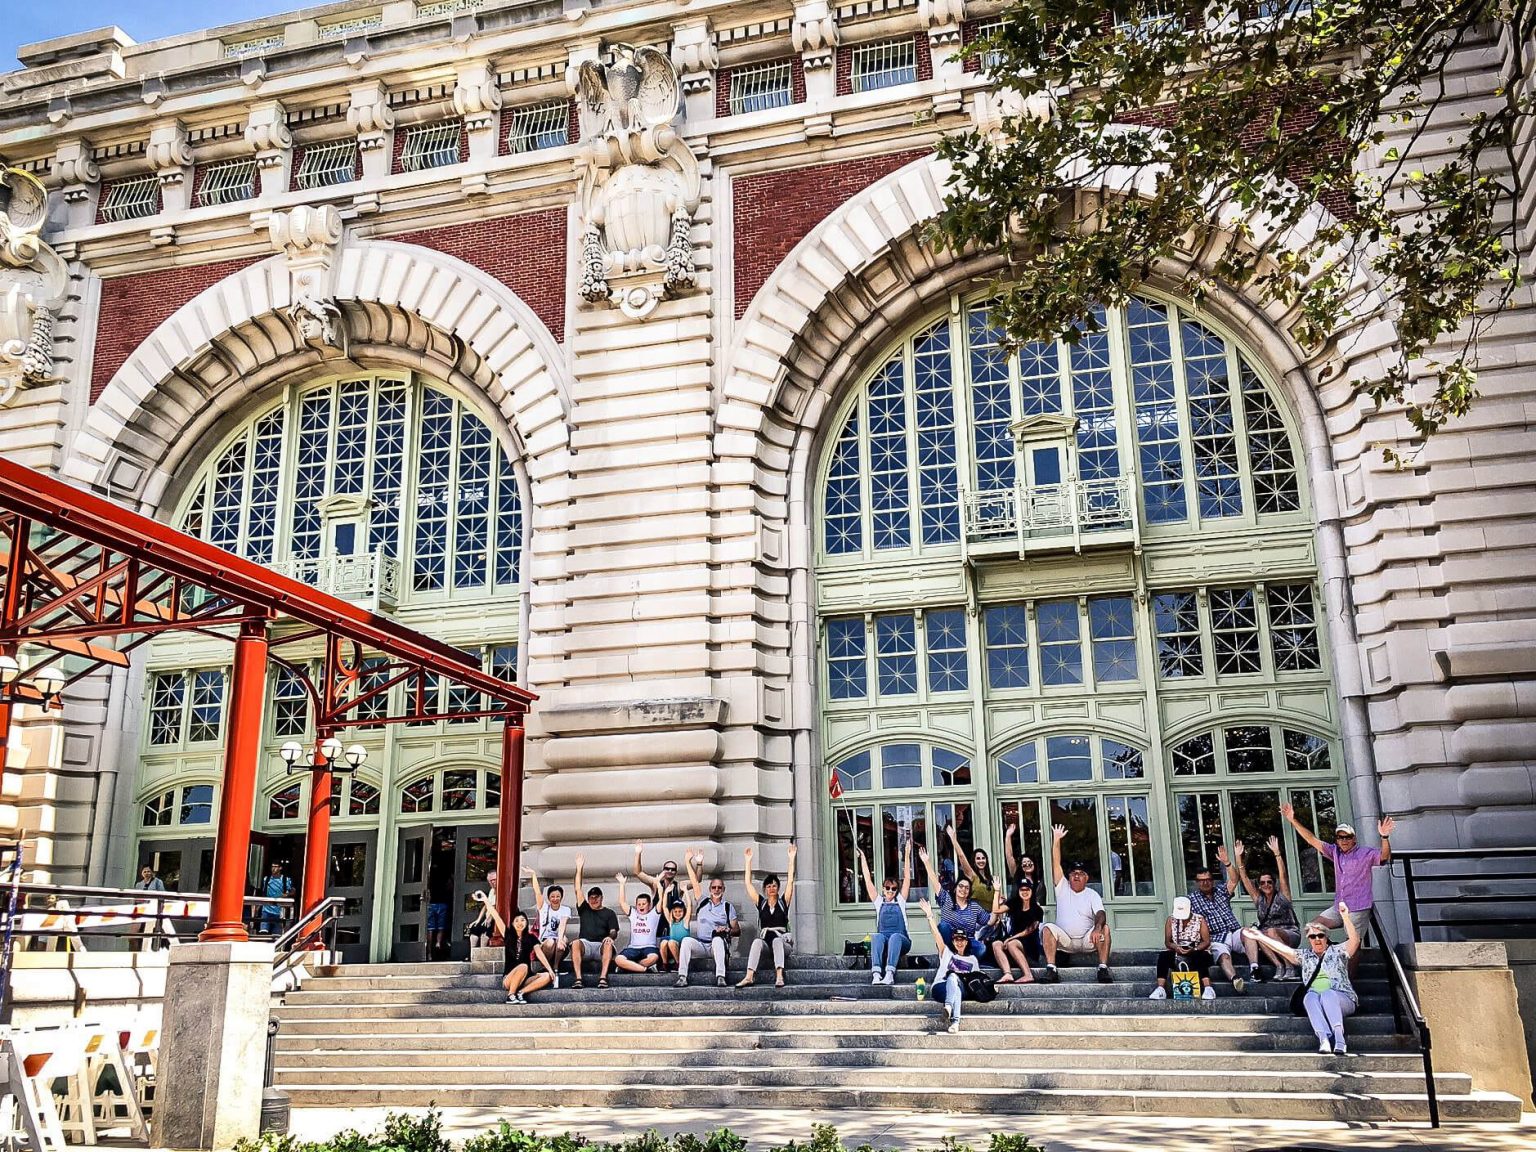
point(599, 930)
point(440, 887)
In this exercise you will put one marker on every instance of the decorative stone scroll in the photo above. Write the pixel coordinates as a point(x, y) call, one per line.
point(639, 182)
point(34, 282)
point(309, 237)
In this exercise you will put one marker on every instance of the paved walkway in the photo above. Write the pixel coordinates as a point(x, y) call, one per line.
point(767, 1129)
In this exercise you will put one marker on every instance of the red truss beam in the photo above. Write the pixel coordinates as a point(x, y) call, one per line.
point(82, 577)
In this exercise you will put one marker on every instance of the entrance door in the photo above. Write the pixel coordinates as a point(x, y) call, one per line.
point(411, 895)
point(351, 878)
point(476, 858)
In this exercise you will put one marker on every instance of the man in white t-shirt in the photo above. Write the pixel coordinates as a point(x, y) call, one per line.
point(552, 919)
point(1081, 925)
point(642, 954)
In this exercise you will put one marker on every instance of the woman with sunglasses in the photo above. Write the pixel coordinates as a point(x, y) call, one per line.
point(891, 940)
point(956, 961)
point(1022, 865)
point(1330, 997)
point(1018, 932)
point(1272, 901)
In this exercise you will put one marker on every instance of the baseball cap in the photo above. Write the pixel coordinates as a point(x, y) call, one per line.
point(1079, 866)
point(1181, 909)
point(1347, 829)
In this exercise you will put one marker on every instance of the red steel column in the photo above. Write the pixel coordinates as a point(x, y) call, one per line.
point(237, 803)
point(509, 820)
point(317, 838)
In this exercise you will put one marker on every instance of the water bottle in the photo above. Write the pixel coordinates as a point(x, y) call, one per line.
point(922, 989)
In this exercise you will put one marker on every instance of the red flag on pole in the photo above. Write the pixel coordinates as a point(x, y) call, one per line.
point(835, 786)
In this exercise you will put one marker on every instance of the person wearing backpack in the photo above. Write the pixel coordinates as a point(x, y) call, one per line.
point(955, 964)
point(1188, 940)
point(714, 924)
point(772, 920)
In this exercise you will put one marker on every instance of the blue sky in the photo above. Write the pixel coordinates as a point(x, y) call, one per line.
point(28, 21)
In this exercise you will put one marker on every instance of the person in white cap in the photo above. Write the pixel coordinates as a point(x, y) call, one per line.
point(1188, 939)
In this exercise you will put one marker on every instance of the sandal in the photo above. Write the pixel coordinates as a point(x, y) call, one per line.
point(602, 983)
point(747, 981)
point(578, 983)
point(779, 983)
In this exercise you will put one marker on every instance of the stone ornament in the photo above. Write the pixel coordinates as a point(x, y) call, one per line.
point(477, 97)
point(267, 133)
point(639, 183)
point(814, 35)
point(943, 19)
point(34, 282)
point(310, 237)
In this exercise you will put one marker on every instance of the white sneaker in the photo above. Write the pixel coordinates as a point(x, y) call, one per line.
point(1324, 1048)
point(1209, 993)
point(874, 976)
point(948, 1019)
point(1158, 994)
point(890, 976)
point(953, 1028)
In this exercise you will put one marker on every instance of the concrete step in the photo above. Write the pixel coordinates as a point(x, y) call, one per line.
point(488, 1057)
point(944, 1094)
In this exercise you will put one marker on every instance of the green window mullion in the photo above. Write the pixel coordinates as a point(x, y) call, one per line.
point(1240, 429)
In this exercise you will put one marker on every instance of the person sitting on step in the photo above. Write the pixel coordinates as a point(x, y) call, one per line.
point(1187, 940)
point(714, 923)
point(641, 954)
point(1329, 996)
point(772, 919)
point(554, 915)
point(522, 956)
point(892, 939)
point(1081, 924)
point(1213, 900)
point(958, 912)
point(1272, 900)
point(677, 931)
point(666, 886)
point(1018, 937)
point(955, 963)
point(599, 928)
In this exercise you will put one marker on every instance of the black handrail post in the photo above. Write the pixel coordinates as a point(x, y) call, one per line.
point(1413, 902)
point(1429, 1076)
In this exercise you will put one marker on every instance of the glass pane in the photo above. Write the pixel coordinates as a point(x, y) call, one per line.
point(1046, 465)
point(284, 804)
point(1028, 839)
point(1079, 814)
point(950, 769)
point(847, 673)
point(1160, 456)
point(960, 816)
point(205, 870)
point(1130, 846)
point(896, 654)
point(899, 825)
point(1293, 627)
point(901, 766)
point(1176, 618)
point(1195, 756)
point(349, 866)
point(413, 861)
point(888, 469)
point(1007, 635)
point(364, 799)
point(854, 772)
point(1121, 761)
point(1305, 752)
point(197, 804)
point(159, 810)
point(945, 633)
point(852, 822)
point(1235, 631)
point(418, 797)
point(991, 404)
point(459, 788)
point(1248, 749)
point(207, 711)
point(1255, 818)
point(479, 859)
point(1316, 809)
point(1199, 832)
point(1212, 422)
point(1061, 653)
point(938, 476)
point(843, 505)
point(493, 789)
point(1017, 765)
point(1068, 759)
point(1111, 622)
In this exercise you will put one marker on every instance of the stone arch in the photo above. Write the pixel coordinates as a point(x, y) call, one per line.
point(854, 283)
point(401, 305)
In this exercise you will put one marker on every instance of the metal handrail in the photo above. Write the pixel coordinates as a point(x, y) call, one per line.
point(1427, 855)
point(1398, 980)
point(321, 919)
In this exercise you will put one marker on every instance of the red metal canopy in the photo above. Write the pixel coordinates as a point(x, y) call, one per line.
point(84, 581)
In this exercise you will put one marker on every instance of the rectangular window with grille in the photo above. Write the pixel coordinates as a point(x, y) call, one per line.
point(1176, 617)
point(1293, 628)
point(758, 87)
point(227, 182)
point(945, 635)
point(896, 654)
point(884, 64)
point(847, 673)
point(538, 126)
point(321, 165)
point(1235, 631)
point(167, 702)
point(431, 146)
point(130, 199)
point(989, 60)
point(1006, 627)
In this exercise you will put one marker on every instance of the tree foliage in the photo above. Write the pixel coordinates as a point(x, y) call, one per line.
point(1244, 119)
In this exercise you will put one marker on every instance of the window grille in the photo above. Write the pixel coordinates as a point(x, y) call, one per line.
point(989, 60)
point(758, 87)
point(131, 199)
point(354, 27)
point(252, 47)
point(325, 164)
point(228, 182)
point(447, 7)
point(537, 126)
point(884, 64)
point(431, 146)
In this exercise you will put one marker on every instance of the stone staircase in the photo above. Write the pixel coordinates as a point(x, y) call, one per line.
point(395, 1035)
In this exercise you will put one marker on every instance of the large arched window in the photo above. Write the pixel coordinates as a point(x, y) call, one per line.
point(1153, 418)
point(384, 466)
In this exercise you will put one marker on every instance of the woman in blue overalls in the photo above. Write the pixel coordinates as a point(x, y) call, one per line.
point(891, 940)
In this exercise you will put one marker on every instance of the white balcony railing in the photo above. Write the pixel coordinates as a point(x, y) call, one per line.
point(371, 578)
point(1052, 511)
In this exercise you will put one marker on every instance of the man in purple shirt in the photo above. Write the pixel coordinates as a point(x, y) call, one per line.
point(1353, 863)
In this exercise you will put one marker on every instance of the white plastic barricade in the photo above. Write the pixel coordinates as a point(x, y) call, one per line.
point(149, 913)
point(78, 1054)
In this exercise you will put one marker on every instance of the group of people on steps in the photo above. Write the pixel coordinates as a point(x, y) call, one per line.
point(974, 921)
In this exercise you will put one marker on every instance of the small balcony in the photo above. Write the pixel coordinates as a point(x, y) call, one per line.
point(370, 579)
point(1051, 517)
